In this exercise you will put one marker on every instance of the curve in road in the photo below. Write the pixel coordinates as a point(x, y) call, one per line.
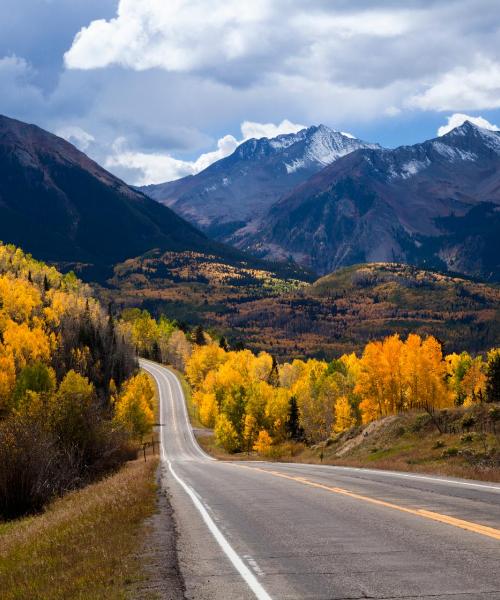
point(300, 531)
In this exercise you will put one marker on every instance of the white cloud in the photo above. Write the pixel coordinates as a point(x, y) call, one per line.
point(158, 167)
point(250, 129)
point(236, 41)
point(458, 119)
point(473, 88)
point(178, 35)
point(76, 135)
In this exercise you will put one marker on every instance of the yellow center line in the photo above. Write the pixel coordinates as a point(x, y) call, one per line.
point(419, 512)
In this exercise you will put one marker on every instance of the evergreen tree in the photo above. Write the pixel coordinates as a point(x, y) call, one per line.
point(293, 428)
point(493, 378)
point(223, 344)
point(274, 376)
point(199, 336)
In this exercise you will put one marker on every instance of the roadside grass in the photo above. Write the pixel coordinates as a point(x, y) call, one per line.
point(396, 447)
point(85, 545)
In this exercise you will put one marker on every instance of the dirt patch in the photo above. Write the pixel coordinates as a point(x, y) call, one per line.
point(360, 438)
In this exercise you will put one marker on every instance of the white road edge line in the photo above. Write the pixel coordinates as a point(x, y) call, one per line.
point(238, 564)
point(236, 561)
point(404, 475)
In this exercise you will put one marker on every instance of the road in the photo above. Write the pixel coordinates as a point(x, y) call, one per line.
point(282, 531)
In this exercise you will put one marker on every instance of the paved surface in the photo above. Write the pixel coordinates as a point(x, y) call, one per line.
point(272, 530)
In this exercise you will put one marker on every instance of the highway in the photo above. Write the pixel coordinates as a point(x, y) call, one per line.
point(293, 531)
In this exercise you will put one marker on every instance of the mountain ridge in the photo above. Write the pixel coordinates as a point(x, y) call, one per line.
point(232, 192)
point(410, 204)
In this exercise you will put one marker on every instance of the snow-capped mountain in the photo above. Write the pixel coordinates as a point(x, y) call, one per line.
point(236, 191)
point(435, 204)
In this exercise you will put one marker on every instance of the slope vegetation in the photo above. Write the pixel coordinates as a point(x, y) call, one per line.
point(289, 317)
point(61, 206)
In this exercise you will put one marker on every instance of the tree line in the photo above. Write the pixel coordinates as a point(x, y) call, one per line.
point(71, 403)
point(254, 403)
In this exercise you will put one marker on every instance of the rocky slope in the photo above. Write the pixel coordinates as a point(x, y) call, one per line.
point(436, 204)
point(234, 192)
point(61, 206)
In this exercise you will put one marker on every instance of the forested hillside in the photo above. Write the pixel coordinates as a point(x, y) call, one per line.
point(252, 402)
point(281, 312)
point(66, 377)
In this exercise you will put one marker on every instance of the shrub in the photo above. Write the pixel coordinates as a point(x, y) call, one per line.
point(450, 452)
point(32, 469)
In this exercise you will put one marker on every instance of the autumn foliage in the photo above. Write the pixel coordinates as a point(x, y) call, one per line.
point(254, 404)
point(61, 356)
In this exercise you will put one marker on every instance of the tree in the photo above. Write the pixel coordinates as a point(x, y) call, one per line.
point(250, 432)
point(263, 443)
point(199, 336)
point(344, 418)
point(70, 411)
point(36, 377)
point(134, 407)
point(225, 434)
point(293, 428)
point(274, 378)
point(493, 376)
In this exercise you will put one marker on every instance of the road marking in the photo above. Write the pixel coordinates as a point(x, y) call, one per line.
point(237, 562)
point(246, 574)
point(420, 512)
point(411, 476)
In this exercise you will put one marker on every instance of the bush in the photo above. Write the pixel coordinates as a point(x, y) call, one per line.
point(438, 444)
point(32, 469)
point(450, 452)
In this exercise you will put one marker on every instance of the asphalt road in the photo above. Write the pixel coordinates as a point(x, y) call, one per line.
point(274, 530)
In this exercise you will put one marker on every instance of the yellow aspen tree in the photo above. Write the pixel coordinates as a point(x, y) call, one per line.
point(226, 435)
point(344, 418)
point(263, 443)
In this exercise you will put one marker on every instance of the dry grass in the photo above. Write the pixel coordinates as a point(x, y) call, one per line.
point(396, 447)
point(83, 545)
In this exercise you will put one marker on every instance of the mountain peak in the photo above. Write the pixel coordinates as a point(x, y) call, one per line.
point(474, 137)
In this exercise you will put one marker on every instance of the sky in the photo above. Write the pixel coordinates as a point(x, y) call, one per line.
point(158, 89)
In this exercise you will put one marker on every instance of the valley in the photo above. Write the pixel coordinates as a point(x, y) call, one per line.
point(296, 317)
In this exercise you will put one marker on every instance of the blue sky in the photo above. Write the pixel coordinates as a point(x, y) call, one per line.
point(155, 90)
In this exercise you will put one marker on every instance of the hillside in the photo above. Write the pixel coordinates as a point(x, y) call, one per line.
point(233, 193)
point(338, 313)
point(433, 204)
point(61, 206)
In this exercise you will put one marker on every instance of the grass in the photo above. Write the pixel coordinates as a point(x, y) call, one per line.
point(85, 545)
point(395, 446)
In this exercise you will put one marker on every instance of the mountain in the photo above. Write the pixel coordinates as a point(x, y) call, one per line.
point(235, 191)
point(435, 204)
point(61, 206)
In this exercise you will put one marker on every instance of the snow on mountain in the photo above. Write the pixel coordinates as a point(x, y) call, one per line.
point(237, 190)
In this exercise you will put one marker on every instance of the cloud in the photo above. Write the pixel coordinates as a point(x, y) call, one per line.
point(458, 119)
point(476, 88)
point(77, 136)
point(19, 96)
point(179, 35)
point(156, 167)
point(250, 129)
point(236, 42)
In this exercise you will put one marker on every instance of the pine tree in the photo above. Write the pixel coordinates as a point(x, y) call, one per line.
point(199, 336)
point(223, 344)
point(293, 428)
point(274, 376)
point(493, 378)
